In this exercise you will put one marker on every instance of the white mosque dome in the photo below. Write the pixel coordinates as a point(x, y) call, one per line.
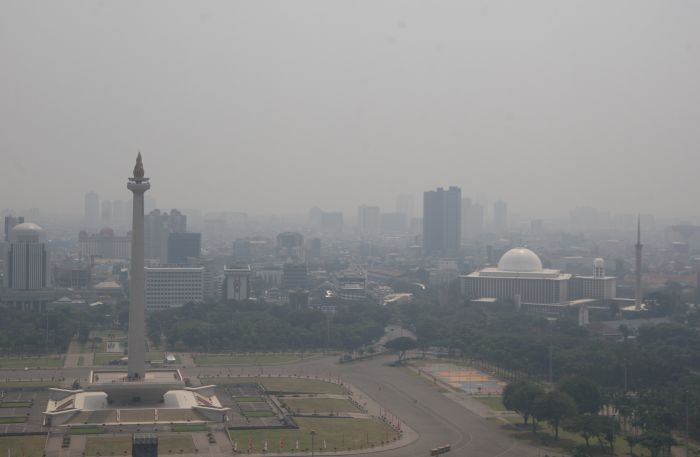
point(27, 231)
point(520, 260)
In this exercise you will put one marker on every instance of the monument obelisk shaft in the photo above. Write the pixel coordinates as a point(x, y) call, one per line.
point(138, 185)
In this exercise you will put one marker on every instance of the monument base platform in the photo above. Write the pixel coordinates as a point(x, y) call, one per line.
point(111, 398)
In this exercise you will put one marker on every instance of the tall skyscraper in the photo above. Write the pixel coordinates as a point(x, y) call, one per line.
point(472, 218)
point(442, 220)
point(92, 208)
point(157, 227)
point(106, 212)
point(10, 223)
point(182, 246)
point(500, 217)
point(368, 219)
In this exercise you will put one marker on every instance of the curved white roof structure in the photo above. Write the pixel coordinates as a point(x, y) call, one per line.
point(520, 260)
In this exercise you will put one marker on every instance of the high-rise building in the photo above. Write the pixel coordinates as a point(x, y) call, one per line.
point(10, 223)
point(368, 219)
point(27, 258)
point(405, 204)
point(182, 246)
point(172, 287)
point(442, 220)
point(104, 244)
point(315, 248)
point(157, 227)
point(472, 218)
point(332, 222)
point(290, 245)
point(92, 208)
point(121, 213)
point(294, 276)
point(237, 283)
point(500, 217)
point(106, 211)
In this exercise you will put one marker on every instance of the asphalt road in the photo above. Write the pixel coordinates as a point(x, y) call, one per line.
point(437, 419)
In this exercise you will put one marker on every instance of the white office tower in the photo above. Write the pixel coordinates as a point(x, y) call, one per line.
point(27, 258)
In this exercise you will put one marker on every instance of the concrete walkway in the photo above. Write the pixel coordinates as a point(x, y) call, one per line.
point(72, 355)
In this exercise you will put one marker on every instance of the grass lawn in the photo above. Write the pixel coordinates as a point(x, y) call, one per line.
point(248, 399)
point(173, 444)
point(103, 358)
point(86, 430)
point(16, 384)
point(567, 440)
point(288, 385)
point(338, 434)
point(31, 362)
point(321, 405)
point(493, 402)
point(27, 446)
point(16, 404)
point(190, 428)
point(13, 419)
point(258, 414)
point(108, 445)
point(249, 359)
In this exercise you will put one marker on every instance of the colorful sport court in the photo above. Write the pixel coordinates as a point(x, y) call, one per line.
point(467, 379)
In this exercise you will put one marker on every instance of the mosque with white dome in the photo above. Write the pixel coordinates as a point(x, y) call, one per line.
point(521, 278)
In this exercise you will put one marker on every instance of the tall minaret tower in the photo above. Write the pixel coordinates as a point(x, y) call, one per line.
point(638, 267)
point(137, 283)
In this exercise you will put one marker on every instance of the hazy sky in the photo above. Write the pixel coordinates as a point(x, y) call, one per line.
point(276, 106)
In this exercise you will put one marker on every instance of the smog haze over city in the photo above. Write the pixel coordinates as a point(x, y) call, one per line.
point(545, 104)
point(388, 228)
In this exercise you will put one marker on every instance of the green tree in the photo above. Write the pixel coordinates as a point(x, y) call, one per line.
point(586, 425)
point(584, 392)
point(401, 344)
point(520, 397)
point(554, 407)
point(656, 442)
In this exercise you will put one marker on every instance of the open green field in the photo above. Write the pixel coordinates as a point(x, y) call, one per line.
point(544, 439)
point(249, 359)
point(174, 444)
point(493, 402)
point(108, 445)
point(338, 434)
point(86, 430)
point(190, 428)
point(31, 362)
point(319, 405)
point(16, 384)
point(290, 385)
point(13, 419)
point(20, 384)
point(27, 446)
point(258, 414)
point(103, 358)
point(16, 404)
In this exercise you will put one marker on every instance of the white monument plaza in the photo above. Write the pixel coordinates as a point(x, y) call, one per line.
point(150, 394)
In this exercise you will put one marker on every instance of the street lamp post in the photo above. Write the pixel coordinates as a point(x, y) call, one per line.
point(313, 434)
point(612, 435)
